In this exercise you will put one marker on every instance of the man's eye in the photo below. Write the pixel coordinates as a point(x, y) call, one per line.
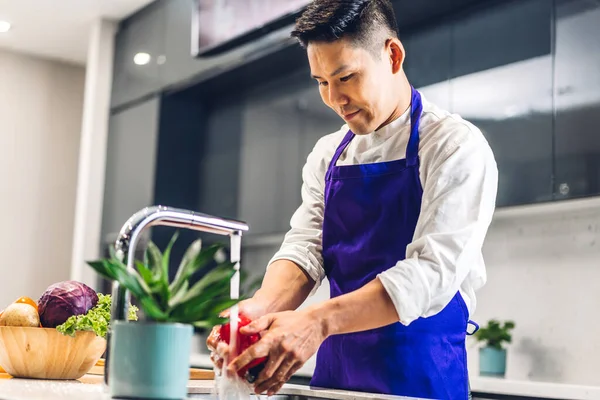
point(323, 83)
point(346, 78)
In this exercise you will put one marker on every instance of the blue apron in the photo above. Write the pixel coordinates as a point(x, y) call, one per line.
point(371, 211)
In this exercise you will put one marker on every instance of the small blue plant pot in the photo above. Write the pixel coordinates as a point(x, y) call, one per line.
point(149, 360)
point(492, 362)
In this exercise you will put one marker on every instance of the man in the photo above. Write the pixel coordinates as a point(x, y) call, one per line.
point(395, 208)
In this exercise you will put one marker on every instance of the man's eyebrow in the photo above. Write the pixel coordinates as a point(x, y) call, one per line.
point(336, 72)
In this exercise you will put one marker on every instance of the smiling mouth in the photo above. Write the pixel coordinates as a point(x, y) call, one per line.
point(349, 116)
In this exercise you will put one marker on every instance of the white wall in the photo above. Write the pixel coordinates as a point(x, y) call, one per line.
point(543, 266)
point(40, 123)
point(93, 151)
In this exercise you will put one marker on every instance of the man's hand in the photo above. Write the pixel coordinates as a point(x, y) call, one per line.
point(289, 339)
point(219, 350)
point(284, 287)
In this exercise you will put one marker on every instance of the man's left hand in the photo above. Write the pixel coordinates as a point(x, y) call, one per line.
point(288, 339)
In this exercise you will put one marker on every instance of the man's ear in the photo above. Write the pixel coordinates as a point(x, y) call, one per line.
point(395, 53)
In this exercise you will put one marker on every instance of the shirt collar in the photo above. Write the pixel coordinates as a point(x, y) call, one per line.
point(395, 126)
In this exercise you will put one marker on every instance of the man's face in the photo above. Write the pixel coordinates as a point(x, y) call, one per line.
point(355, 83)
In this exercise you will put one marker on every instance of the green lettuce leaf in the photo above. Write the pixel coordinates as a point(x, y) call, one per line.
point(96, 320)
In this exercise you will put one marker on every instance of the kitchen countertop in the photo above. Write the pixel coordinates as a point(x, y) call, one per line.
point(546, 390)
point(91, 387)
point(500, 386)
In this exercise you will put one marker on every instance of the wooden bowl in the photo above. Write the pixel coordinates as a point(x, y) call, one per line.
point(45, 353)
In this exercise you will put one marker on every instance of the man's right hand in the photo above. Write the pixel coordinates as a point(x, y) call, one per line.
point(219, 350)
point(285, 286)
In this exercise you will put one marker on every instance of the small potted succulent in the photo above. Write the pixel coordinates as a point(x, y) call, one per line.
point(150, 358)
point(492, 356)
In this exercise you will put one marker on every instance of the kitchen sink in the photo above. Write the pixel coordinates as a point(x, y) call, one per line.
point(302, 392)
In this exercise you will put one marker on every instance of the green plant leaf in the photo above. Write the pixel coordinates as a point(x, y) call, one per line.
point(209, 294)
point(130, 280)
point(157, 288)
point(145, 273)
point(196, 308)
point(153, 259)
point(120, 266)
point(150, 288)
point(165, 264)
point(202, 309)
point(190, 255)
point(194, 260)
point(220, 274)
point(209, 323)
point(494, 334)
point(103, 269)
point(152, 309)
point(204, 324)
point(176, 298)
point(223, 304)
point(160, 281)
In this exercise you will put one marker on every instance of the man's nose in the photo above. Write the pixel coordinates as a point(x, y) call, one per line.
point(337, 97)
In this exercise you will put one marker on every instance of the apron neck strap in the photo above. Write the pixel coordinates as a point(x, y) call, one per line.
point(338, 152)
point(416, 109)
point(412, 149)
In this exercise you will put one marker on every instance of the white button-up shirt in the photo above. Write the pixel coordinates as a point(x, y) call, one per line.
point(459, 177)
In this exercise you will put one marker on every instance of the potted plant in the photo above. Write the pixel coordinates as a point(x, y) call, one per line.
point(150, 358)
point(492, 357)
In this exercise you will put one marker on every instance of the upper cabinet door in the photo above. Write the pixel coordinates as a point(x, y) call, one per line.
point(502, 82)
point(271, 161)
point(139, 55)
point(577, 93)
point(428, 62)
point(180, 65)
point(130, 164)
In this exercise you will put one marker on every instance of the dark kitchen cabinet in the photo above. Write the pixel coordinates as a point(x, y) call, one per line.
point(577, 99)
point(139, 37)
point(130, 164)
point(502, 82)
point(428, 63)
point(526, 72)
point(270, 161)
point(180, 65)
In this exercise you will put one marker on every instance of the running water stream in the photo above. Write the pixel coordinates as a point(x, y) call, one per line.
point(233, 388)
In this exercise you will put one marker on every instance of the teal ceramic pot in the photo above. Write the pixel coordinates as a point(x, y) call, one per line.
point(492, 362)
point(149, 360)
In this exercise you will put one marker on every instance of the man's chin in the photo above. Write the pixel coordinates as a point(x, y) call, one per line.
point(359, 129)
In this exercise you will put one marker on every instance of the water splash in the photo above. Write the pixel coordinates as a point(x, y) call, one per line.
point(233, 388)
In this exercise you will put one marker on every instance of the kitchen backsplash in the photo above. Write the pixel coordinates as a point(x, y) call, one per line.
point(543, 265)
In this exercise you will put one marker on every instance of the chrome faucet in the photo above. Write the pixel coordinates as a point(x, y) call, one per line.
point(130, 235)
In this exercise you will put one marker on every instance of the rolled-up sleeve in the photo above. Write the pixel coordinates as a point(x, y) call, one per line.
point(459, 196)
point(303, 242)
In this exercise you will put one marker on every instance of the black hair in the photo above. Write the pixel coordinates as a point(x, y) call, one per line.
point(362, 21)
